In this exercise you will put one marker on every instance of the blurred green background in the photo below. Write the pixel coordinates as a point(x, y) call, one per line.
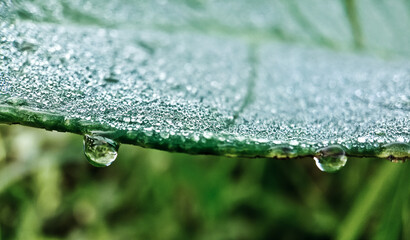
point(49, 191)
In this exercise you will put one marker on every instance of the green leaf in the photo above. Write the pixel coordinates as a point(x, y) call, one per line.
point(256, 79)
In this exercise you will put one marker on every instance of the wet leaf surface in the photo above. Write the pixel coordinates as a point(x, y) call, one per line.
point(262, 79)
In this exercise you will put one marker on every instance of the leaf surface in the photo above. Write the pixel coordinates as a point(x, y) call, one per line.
point(239, 78)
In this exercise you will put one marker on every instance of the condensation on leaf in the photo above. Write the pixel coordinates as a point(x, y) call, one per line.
point(235, 78)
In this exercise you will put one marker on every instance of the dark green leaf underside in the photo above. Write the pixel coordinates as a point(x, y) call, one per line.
point(267, 79)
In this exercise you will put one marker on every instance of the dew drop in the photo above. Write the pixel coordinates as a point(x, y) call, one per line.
point(27, 45)
point(207, 135)
point(111, 78)
point(330, 159)
point(396, 152)
point(100, 151)
point(164, 134)
point(400, 139)
point(16, 101)
point(281, 151)
point(127, 119)
point(294, 142)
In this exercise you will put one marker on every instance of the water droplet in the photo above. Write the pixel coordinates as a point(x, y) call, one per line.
point(127, 119)
point(195, 137)
point(207, 135)
point(164, 134)
point(400, 139)
point(281, 151)
point(17, 101)
point(396, 152)
point(111, 78)
point(26, 45)
point(294, 142)
point(100, 151)
point(330, 159)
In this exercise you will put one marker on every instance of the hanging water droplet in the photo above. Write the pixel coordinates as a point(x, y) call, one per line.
point(396, 152)
point(281, 151)
point(330, 159)
point(100, 151)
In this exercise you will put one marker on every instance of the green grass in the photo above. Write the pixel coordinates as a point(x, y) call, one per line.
point(49, 191)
